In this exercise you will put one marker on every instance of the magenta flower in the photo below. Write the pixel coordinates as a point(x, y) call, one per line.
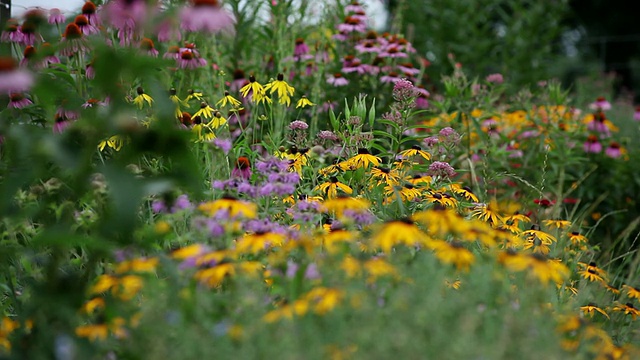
point(403, 90)
point(352, 24)
point(148, 47)
point(614, 150)
point(298, 125)
point(73, 41)
point(636, 114)
point(89, 10)
point(592, 145)
point(13, 79)
point(495, 78)
point(18, 101)
point(84, 25)
point(11, 32)
point(441, 169)
point(354, 7)
point(391, 77)
point(205, 16)
point(56, 17)
point(600, 104)
point(301, 48)
point(392, 51)
point(368, 46)
point(242, 168)
point(337, 80)
point(128, 16)
point(189, 60)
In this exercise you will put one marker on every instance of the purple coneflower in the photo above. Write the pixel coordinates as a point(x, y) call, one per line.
point(11, 32)
point(392, 51)
point(189, 60)
point(18, 101)
point(206, 16)
point(337, 80)
point(354, 7)
point(89, 10)
point(636, 114)
point(84, 25)
point(13, 79)
point(352, 24)
point(600, 104)
point(73, 41)
point(61, 123)
point(391, 77)
point(128, 16)
point(614, 150)
point(56, 16)
point(592, 145)
point(148, 47)
point(495, 78)
point(242, 168)
point(301, 48)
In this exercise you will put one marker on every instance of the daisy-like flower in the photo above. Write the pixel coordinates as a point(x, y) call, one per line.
point(628, 309)
point(399, 232)
point(537, 233)
point(591, 274)
point(337, 80)
point(11, 32)
point(192, 94)
point(230, 204)
point(84, 25)
point(217, 121)
point(189, 59)
point(632, 292)
point(342, 203)
point(464, 191)
point(363, 159)
point(352, 24)
point(557, 223)
point(89, 10)
point(601, 104)
point(415, 150)
point(389, 176)
point(613, 150)
point(203, 132)
point(577, 238)
point(13, 79)
point(407, 192)
point(115, 142)
point(255, 90)
point(591, 308)
point(391, 77)
point(242, 168)
point(331, 187)
point(300, 49)
point(205, 111)
point(592, 145)
point(18, 101)
point(73, 41)
point(142, 98)
point(56, 17)
point(284, 90)
point(540, 267)
point(304, 102)
point(454, 253)
point(148, 47)
point(228, 99)
point(259, 241)
point(488, 213)
point(205, 16)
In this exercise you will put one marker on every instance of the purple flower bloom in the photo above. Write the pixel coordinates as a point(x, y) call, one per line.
point(223, 144)
point(431, 141)
point(613, 151)
point(403, 90)
point(636, 114)
point(327, 135)
point(12, 79)
point(298, 125)
point(495, 78)
point(391, 77)
point(442, 169)
point(600, 104)
point(592, 145)
point(337, 80)
point(205, 16)
point(312, 273)
point(18, 101)
point(189, 59)
point(292, 269)
point(56, 16)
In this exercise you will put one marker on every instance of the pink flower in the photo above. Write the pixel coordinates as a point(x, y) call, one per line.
point(301, 48)
point(636, 114)
point(18, 101)
point(56, 16)
point(354, 7)
point(352, 24)
point(392, 77)
point(11, 32)
point(592, 145)
point(148, 47)
point(392, 51)
point(442, 169)
point(205, 16)
point(84, 25)
point(337, 80)
point(298, 125)
point(368, 46)
point(495, 78)
point(189, 60)
point(73, 41)
point(89, 10)
point(128, 16)
point(12, 79)
point(613, 151)
point(600, 104)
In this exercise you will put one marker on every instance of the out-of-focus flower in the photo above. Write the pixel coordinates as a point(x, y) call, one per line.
point(206, 16)
point(337, 80)
point(56, 16)
point(592, 145)
point(495, 78)
point(13, 79)
point(600, 104)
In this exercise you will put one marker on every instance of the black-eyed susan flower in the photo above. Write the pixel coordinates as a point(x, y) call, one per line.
point(363, 159)
point(141, 98)
point(205, 111)
point(331, 187)
point(399, 232)
point(535, 232)
point(203, 132)
point(93, 332)
point(229, 99)
point(213, 276)
point(516, 218)
point(406, 192)
point(92, 305)
point(537, 246)
point(177, 102)
point(440, 198)
point(386, 175)
point(259, 241)
point(453, 253)
point(632, 292)
point(304, 102)
point(463, 191)
point(627, 309)
point(488, 212)
point(377, 268)
point(577, 238)
point(281, 88)
point(591, 308)
point(335, 237)
point(342, 202)
point(611, 288)
point(230, 204)
point(415, 150)
point(557, 223)
point(421, 180)
point(139, 265)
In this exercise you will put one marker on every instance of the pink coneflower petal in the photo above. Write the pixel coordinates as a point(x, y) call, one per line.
point(205, 16)
point(13, 79)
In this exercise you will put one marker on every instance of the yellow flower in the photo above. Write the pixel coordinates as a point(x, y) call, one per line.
point(203, 132)
point(217, 121)
point(214, 276)
point(378, 267)
point(632, 292)
point(177, 102)
point(342, 203)
point(304, 102)
point(628, 309)
point(363, 159)
point(142, 98)
point(115, 142)
point(464, 192)
point(557, 223)
point(386, 175)
point(488, 212)
point(105, 282)
point(188, 251)
point(399, 232)
point(453, 253)
point(96, 303)
point(577, 239)
point(258, 93)
point(194, 95)
point(130, 285)
point(255, 243)
point(590, 309)
point(93, 332)
point(284, 90)
point(331, 187)
point(234, 206)
point(137, 265)
point(415, 151)
point(230, 100)
point(535, 233)
point(205, 111)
